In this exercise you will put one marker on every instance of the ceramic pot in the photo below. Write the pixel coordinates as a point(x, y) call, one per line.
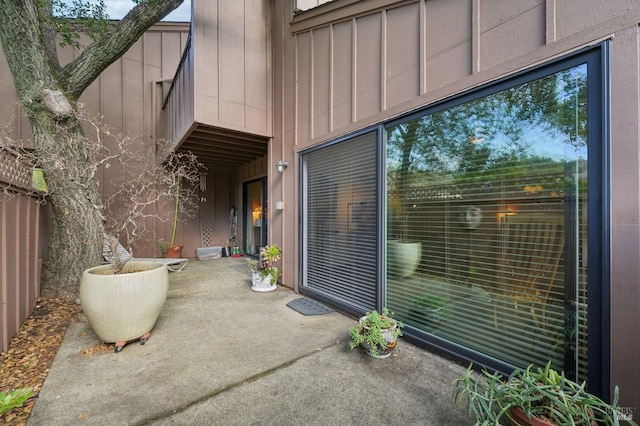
point(126, 306)
point(391, 340)
point(261, 284)
point(521, 419)
point(404, 257)
point(174, 251)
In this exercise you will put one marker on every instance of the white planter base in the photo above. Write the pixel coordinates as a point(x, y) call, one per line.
point(260, 284)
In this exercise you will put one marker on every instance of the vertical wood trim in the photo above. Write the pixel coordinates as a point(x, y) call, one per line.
point(423, 47)
point(296, 90)
point(312, 64)
point(4, 314)
point(331, 76)
point(145, 108)
point(244, 64)
point(383, 60)
point(475, 36)
point(14, 266)
point(28, 257)
point(550, 11)
point(354, 71)
point(122, 94)
point(36, 254)
point(197, 71)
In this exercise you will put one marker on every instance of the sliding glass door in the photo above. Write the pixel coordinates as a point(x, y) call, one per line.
point(487, 222)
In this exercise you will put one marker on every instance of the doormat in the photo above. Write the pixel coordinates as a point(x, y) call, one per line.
point(240, 267)
point(308, 307)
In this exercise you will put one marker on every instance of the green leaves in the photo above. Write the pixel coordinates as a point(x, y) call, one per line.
point(377, 330)
point(70, 20)
point(15, 398)
point(539, 392)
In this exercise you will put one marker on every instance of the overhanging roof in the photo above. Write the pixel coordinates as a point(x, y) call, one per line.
point(223, 148)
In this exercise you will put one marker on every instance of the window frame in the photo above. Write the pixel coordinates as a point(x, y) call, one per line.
point(598, 116)
point(598, 207)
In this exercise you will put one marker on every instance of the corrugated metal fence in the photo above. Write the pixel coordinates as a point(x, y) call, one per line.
point(23, 233)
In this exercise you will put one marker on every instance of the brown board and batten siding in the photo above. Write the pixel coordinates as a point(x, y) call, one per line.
point(232, 75)
point(359, 63)
point(22, 246)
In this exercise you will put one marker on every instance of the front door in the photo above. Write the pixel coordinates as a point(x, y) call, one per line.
point(255, 218)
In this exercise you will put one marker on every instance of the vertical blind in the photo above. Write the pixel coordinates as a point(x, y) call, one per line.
point(340, 222)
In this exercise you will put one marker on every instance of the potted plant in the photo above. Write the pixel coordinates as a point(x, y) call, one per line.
point(179, 167)
point(122, 300)
point(377, 332)
point(430, 309)
point(264, 272)
point(163, 246)
point(533, 396)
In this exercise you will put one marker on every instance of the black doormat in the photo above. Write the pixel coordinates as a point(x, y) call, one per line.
point(308, 307)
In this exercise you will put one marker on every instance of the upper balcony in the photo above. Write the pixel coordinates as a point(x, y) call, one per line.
point(219, 103)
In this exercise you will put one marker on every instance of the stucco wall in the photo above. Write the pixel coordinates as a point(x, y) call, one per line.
point(347, 65)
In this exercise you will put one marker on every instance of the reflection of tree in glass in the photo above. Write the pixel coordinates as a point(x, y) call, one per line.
point(490, 136)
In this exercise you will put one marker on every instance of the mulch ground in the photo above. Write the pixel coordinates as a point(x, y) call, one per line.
point(32, 350)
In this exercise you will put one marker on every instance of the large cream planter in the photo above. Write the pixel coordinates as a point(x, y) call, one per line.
point(124, 307)
point(404, 256)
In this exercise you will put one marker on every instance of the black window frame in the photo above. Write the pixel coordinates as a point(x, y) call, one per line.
point(598, 115)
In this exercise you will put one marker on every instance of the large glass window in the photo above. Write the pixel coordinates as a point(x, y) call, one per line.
point(487, 222)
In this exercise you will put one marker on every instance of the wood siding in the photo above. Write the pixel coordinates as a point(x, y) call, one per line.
point(350, 64)
point(23, 238)
point(232, 65)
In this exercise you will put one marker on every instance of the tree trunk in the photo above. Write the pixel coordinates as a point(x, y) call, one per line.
point(48, 95)
point(76, 235)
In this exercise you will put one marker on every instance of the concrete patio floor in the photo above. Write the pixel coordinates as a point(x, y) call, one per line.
point(221, 354)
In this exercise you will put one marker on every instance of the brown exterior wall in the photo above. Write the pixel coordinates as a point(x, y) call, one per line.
point(232, 75)
point(126, 95)
point(347, 65)
point(23, 239)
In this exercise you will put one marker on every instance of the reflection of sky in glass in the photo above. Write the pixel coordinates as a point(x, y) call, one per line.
point(543, 143)
point(536, 119)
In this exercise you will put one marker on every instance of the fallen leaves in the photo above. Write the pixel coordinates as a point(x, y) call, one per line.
point(99, 349)
point(32, 350)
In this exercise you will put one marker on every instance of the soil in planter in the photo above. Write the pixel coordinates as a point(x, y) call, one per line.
point(126, 270)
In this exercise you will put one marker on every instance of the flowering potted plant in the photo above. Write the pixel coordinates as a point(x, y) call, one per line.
point(264, 273)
